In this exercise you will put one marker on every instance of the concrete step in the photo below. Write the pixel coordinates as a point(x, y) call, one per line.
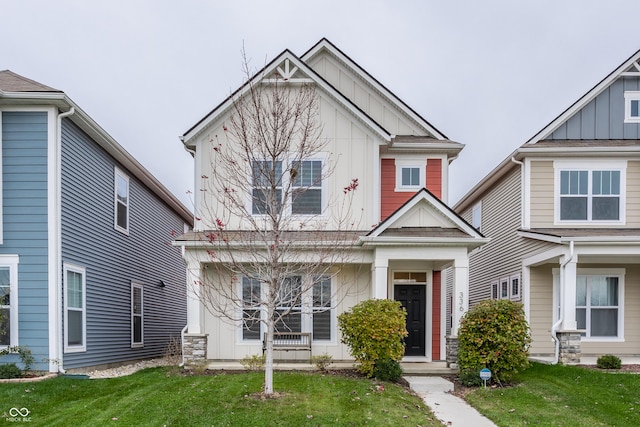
point(426, 384)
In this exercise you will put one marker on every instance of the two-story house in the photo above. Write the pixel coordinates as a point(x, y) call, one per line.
point(88, 276)
point(563, 215)
point(407, 235)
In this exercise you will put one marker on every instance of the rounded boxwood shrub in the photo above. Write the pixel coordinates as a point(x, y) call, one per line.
point(9, 370)
point(374, 331)
point(387, 370)
point(609, 361)
point(495, 335)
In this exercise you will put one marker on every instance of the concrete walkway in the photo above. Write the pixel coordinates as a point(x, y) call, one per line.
point(449, 409)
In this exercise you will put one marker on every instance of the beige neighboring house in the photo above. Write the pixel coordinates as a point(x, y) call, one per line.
point(408, 234)
point(563, 216)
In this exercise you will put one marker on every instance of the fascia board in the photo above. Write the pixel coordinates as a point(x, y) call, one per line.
point(584, 100)
point(326, 44)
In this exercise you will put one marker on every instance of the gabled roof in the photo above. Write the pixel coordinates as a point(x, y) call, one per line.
point(18, 90)
point(325, 45)
point(630, 67)
point(457, 230)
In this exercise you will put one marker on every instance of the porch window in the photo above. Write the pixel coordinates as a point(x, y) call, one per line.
point(598, 305)
point(322, 309)
point(288, 313)
point(9, 300)
point(251, 309)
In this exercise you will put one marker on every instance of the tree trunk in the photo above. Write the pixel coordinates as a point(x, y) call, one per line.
point(268, 365)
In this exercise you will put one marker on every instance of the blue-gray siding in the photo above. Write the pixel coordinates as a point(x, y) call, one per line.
point(114, 260)
point(603, 117)
point(24, 220)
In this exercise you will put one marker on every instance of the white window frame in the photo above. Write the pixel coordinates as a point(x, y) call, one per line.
point(286, 183)
point(590, 166)
point(134, 287)
point(602, 272)
point(629, 97)
point(11, 261)
point(1, 182)
point(503, 288)
point(476, 216)
point(75, 348)
point(306, 310)
point(515, 296)
point(495, 290)
point(120, 174)
point(421, 165)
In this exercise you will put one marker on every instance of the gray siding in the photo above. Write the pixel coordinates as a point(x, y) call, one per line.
point(113, 260)
point(603, 117)
point(24, 216)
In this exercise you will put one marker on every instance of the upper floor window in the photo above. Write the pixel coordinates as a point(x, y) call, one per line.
point(632, 107)
point(410, 175)
point(476, 216)
point(270, 180)
point(587, 194)
point(121, 201)
point(8, 300)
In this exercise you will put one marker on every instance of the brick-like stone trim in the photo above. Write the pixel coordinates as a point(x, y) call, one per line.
point(194, 350)
point(452, 351)
point(570, 352)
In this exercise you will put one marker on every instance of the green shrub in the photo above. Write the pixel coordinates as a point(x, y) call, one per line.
point(322, 361)
point(253, 363)
point(609, 361)
point(387, 370)
point(470, 378)
point(495, 335)
point(374, 330)
point(24, 352)
point(9, 370)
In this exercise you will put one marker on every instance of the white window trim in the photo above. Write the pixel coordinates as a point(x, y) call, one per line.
point(609, 272)
point(12, 261)
point(286, 183)
point(476, 220)
point(1, 183)
point(515, 296)
point(494, 290)
point(119, 173)
point(503, 282)
point(420, 164)
point(590, 166)
point(628, 97)
point(140, 344)
point(306, 311)
point(75, 348)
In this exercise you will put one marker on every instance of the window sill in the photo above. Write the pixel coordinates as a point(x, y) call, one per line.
point(601, 339)
point(408, 189)
point(75, 350)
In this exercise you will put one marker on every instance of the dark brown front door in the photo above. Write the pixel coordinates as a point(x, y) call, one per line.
point(414, 299)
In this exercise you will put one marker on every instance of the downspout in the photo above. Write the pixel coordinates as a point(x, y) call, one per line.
point(59, 291)
point(184, 331)
point(554, 328)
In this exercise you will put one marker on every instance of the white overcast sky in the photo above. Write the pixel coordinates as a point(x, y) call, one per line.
point(488, 74)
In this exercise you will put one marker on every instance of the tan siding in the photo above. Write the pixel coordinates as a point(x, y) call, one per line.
point(541, 310)
point(633, 194)
point(542, 194)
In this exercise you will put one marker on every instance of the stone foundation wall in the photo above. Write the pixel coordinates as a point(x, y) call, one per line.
point(452, 351)
point(570, 351)
point(194, 350)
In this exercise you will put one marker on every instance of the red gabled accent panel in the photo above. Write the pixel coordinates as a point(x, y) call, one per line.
point(434, 177)
point(436, 310)
point(390, 200)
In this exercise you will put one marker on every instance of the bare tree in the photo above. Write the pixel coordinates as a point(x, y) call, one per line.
point(271, 225)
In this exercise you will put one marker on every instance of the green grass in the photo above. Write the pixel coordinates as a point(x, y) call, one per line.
point(548, 395)
point(160, 396)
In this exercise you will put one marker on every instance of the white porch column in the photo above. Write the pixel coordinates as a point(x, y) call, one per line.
point(193, 298)
point(379, 278)
point(569, 295)
point(460, 293)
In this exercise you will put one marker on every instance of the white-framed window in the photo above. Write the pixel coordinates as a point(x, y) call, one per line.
point(410, 175)
point(298, 311)
point(476, 216)
point(75, 313)
point(121, 202)
point(495, 294)
point(592, 192)
point(515, 287)
point(9, 300)
point(307, 187)
point(137, 315)
point(632, 107)
point(266, 186)
point(599, 305)
point(504, 288)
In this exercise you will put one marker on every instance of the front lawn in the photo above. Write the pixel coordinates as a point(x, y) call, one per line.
point(547, 395)
point(160, 396)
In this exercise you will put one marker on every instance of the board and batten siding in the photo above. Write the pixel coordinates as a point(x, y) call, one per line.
point(24, 216)
point(603, 117)
point(113, 260)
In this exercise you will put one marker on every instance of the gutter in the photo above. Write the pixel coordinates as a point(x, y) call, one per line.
point(554, 328)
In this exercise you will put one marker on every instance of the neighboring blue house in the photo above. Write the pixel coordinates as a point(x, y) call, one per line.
point(88, 275)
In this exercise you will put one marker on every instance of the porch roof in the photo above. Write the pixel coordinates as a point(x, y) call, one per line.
point(563, 235)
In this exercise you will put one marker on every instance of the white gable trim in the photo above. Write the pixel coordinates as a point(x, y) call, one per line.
point(327, 45)
point(293, 61)
point(588, 97)
point(436, 204)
